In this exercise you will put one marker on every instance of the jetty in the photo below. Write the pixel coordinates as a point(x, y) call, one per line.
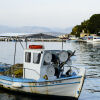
point(33, 38)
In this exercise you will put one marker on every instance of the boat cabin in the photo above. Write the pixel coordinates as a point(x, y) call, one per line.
point(40, 63)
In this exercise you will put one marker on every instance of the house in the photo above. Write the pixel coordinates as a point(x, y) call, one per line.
point(84, 34)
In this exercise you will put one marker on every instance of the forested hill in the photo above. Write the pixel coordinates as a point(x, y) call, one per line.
point(91, 26)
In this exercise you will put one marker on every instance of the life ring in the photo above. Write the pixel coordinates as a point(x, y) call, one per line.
point(36, 46)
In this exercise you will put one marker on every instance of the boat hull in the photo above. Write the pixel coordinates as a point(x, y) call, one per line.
point(69, 87)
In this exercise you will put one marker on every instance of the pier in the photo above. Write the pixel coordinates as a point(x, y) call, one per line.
point(33, 38)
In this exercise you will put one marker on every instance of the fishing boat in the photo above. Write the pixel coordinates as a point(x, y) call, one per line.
point(47, 72)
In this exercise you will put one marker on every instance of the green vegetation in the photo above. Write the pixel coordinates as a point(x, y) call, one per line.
point(15, 71)
point(91, 26)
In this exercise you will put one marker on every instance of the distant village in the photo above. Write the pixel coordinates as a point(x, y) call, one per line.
point(46, 37)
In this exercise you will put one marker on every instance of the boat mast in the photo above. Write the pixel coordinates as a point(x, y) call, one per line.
point(62, 43)
point(15, 51)
point(26, 42)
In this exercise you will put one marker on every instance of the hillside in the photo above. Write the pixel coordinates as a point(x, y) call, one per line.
point(32, 29)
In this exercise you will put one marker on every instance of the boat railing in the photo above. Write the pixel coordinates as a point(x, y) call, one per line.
point(17, 72)
point(76, 69)
point(31, 70)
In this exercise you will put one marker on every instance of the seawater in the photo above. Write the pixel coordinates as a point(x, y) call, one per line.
point(87, 55)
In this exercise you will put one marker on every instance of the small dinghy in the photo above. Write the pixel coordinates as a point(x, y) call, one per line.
point(47, 72)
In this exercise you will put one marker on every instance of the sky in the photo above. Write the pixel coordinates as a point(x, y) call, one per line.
point(47, 13)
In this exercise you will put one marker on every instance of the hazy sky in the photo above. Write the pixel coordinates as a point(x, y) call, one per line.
point(48, 13)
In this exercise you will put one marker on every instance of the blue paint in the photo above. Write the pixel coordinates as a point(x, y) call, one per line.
point(4, 67)
point(7, 78)
point(74, 74)
point(77, 92)
point(4, 83)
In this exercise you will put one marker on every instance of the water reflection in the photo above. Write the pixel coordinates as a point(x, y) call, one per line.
point(90, 59)
point(6, 95)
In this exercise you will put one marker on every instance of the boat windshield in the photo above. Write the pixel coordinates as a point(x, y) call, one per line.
point(28, 57)
point(36, 58)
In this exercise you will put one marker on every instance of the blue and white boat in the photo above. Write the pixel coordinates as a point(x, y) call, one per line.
point(47, 72)
point(93, 39)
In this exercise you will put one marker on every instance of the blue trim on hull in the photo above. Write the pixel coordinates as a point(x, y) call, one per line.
point(2, 83)
point(11, 79)
point(23, 80)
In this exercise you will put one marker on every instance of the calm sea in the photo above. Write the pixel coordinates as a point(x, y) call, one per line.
point(87, 55)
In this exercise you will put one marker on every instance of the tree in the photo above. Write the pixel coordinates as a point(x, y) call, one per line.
point(76, 30)
point(91, 26)
point(84, 26)
point(94, 23)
